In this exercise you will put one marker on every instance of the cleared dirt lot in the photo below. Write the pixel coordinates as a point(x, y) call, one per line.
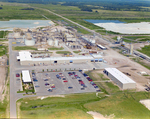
point(126, 65)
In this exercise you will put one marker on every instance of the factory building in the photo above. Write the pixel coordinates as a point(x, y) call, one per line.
point(119, 78)
point(26, 58)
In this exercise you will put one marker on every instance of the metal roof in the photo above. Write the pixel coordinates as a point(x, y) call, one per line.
point(119, 75)
point(63, 58)
point(26, 76)
point(97, 55)
point(25, 56)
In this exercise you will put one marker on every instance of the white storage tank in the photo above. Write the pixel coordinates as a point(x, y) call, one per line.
point(50, 42)
point(29, 42)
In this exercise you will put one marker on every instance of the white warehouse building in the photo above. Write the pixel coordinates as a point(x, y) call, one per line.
point(25, 58)
point(119, 78)
point(26, 76)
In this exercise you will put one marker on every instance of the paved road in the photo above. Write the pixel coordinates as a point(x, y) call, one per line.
point(12, 89)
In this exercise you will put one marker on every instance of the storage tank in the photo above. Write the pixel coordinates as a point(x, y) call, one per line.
point(56, 43)
point(50, 42)
point(29, 42)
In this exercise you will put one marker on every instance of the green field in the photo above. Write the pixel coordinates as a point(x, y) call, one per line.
point(63, 52)
point(13, 11)
point(3, 34)
point(137, 37)
point(76, 52)
point(122, 105)
point(24, 48)
point(107, 87)
point(68, 107)
point(55, 48)
point(3, 50)
point(145, 50)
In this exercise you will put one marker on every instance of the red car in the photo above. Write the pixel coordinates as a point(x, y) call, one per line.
point(17, 75)
point(65, 81)
point(52, 86)
point(90, 80)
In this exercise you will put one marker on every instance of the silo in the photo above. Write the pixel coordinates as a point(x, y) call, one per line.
point(118, 38)
point(50, 42)
point(29, 42)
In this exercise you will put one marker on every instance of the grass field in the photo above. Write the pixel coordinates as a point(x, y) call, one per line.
point(3, 50)
point(63, 52)
point(24, 48)
point(137, 37)
point(55, 48)
point(76, 52)
point(68, 107)
point(3, 107)
point(145, 50)
point(122, 105)
point(3, 34)
point(13, 11)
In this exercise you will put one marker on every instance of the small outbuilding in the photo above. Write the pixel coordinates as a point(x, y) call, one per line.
point(26, 76)
point(119, 78)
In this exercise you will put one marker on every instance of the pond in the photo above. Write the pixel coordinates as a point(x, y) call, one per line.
point(9, 25)
point(122, 27)
point(103, 21)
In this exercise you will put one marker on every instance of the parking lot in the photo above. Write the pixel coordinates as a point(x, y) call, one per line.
point(61, 83)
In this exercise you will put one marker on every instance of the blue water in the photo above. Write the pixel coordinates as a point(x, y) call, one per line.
point(103, 21)
point(9, 25)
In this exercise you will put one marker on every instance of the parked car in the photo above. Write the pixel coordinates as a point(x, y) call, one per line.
point(65, 81)
point(80, 70)
point(18, 79)
point(82, 88)
point(74, 73)
point(35, 80)
point(17, 75)
point(98, 90)
point(70, 87)
point(50, 90)
point(46, 84)
point(52, 86)
point(95, 86)
point(37, 86)
point(45, 79)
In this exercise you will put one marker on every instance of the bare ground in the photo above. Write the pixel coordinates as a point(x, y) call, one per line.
point(97, 115)
point(146, 103)
point(125, 64)
point(2, 79)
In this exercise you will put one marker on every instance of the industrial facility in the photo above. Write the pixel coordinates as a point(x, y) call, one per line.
point(119, 78)
point(26, 58)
